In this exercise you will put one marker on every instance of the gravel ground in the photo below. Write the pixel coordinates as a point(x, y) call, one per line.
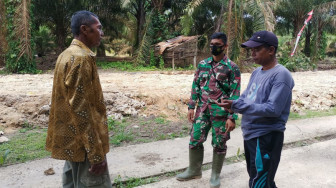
point(25, 98)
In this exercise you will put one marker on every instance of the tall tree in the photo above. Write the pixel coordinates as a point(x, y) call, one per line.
point(324, 17)
point(138, 9)
point(294, 14)
point(112, 17)
point(57, 15)
point(19, 56)
point(3, 41)
point(174, 9)
point(232, 17)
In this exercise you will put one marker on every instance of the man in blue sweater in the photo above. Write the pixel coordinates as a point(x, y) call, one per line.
point(265, 106)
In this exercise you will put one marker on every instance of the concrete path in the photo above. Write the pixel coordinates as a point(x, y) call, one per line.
point(312, 166)
point(155, 158)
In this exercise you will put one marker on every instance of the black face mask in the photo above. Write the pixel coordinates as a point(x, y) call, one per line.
point(216, 50)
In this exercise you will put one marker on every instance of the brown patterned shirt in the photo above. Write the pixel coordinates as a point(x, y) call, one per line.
point(77, 121)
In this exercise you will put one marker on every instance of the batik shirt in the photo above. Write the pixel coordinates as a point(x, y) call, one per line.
point(205, 89)
point(77, 122)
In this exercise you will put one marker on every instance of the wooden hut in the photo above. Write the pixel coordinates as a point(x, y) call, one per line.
point(180, 51)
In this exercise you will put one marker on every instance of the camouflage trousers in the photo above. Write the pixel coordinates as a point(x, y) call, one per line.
point(76, 174)
point(214, 119)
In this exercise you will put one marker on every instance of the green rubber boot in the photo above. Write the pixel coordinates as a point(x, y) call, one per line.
point(217, 164)
point(194, 171)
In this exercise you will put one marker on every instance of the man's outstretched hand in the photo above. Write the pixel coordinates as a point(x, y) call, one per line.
point(191, 115)
point(99, 168)
point(230, 125)
point(225, 103)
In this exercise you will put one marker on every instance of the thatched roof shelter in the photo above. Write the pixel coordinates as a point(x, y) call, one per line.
point(179, 51)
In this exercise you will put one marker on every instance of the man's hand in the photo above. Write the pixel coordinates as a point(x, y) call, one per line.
point(230, 125)
point(191, 115)
point(225, 103)
point(99, 168)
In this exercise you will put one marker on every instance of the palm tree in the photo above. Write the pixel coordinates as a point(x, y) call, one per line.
point(232, 17)
point(19, 56)
point(138, 9)
point(324, 17)
point(295, 12)
point(3, 41)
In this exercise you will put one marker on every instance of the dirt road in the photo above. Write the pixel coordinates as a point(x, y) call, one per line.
point(26, 98)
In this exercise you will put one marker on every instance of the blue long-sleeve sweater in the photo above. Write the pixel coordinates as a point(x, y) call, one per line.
point(265, 104)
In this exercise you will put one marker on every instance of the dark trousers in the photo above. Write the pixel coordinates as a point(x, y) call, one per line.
point(77, 175)
point(262, 158)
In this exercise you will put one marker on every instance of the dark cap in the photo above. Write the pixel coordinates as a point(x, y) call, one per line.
point(261, 37)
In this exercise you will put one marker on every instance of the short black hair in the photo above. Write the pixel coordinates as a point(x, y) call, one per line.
point(268, 46)
point(79, 18)
point(219, 35)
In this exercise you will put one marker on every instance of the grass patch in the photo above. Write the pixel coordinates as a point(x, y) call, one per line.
point(124, 66)
point(4, 72)
point(29, 143)
point(119, 132)
point(312, 114)
point(131, 67)
point(25, 147)
point(161, 120)
point(133, 182)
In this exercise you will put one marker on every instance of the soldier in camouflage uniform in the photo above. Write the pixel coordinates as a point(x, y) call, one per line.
point(216, 78)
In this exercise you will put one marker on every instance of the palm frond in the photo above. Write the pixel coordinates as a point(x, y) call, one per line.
point(322, 13)
point(325, 8)
point(23, 29)
point(143, 51)
point(187, 24)
point(236, 28)
point(130, 28)
point(187, 20)
point(262, 12)
point(192, 5)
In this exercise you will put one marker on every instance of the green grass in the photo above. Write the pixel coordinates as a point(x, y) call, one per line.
point(25, 147)
point(133, 182)
point(29, 143)
point(161, 120)
point(4, 72)
point(312, 114)
point(120, 133)
point(131, 67)
point(124, 66)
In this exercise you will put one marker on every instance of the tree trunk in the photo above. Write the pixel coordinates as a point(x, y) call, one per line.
point(61, 33)
point(3, 42)
point(220, 19)
point(307, 41)
point(158, 5)
point(141, 19)
point(101, 50)
point(228, 29)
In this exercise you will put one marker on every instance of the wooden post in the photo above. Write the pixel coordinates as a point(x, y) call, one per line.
point(173, 61)
point(195, 56)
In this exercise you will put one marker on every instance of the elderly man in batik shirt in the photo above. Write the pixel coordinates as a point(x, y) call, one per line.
point(77, 131)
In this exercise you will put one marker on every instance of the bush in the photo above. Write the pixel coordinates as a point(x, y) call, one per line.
point(298, 62)
point(44, 40)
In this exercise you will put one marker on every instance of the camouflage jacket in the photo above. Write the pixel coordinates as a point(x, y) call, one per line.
point(205, 89)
